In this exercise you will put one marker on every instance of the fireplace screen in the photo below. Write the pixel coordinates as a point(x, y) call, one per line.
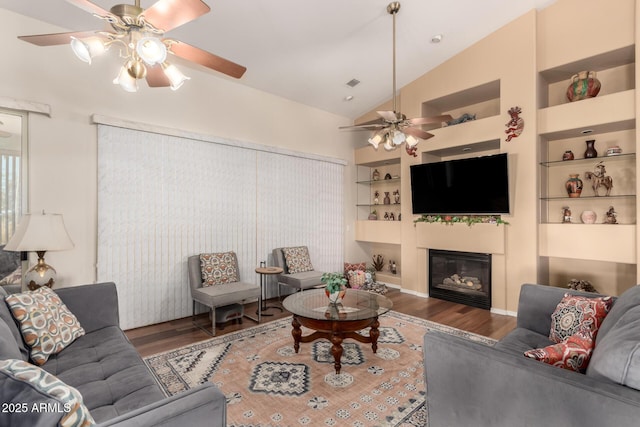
point(462, 277)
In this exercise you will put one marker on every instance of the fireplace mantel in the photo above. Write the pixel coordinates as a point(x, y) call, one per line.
point(484, 238)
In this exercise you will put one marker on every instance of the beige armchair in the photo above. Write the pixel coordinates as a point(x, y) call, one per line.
point(218, 295)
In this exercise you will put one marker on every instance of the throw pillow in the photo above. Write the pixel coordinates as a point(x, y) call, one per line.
point(297, 259)
point(46, 323)
point(573, 353)
point(49, 390)
point(362, 266)
point(357, 278)
point(219, 268)
point(574, 312)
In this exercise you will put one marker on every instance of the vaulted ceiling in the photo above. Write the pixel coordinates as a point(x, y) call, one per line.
point(307, 50)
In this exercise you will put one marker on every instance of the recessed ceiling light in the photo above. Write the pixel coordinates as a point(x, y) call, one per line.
point(586, 131)
point(348, 97)
point(436, 39)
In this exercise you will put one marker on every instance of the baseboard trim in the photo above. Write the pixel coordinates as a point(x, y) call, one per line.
point(504, 312)
point(414, 293)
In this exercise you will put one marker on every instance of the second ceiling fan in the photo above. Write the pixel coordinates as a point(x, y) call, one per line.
point(393, 128)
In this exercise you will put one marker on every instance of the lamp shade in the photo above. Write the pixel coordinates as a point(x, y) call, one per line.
point(40, 232)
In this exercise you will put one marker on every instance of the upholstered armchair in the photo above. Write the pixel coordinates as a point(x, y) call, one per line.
point(298, 271)
point(214, 280)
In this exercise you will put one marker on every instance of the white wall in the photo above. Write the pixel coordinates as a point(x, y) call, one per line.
point(63, 147)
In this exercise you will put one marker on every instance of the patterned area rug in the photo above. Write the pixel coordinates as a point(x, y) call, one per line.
point(268, 384)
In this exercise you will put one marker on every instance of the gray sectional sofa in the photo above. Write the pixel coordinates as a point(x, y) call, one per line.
point(105, 368)
point(470, 384)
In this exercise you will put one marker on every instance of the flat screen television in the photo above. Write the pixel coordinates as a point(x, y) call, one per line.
point(473, 186)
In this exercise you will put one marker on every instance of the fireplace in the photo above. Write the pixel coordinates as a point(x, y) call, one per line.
point(462, 277)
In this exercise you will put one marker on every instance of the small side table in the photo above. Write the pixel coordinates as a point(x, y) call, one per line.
point(266, 271)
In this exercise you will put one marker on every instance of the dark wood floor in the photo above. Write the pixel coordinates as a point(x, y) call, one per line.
point(154, 339)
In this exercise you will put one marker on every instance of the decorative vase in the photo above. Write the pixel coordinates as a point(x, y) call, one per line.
point(591, 152)
point(568, 155)
point(375, 175)
point(574, 185)
point(588, 217)
point(583, 85)
point(335, 297)
point(387, 199)
point(373, 216)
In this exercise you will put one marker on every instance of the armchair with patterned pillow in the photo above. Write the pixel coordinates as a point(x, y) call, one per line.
point(214, 280)
point(298, 271)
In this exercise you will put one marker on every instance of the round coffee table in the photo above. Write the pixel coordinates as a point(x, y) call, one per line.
point(335, 322)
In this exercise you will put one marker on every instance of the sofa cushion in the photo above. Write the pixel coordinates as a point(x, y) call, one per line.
point(520, 340)
point(362, 266)
point(617, 355)
point(219, 268)
point(107, 371)
point(297, 259)
point(46, 323)
point(7, 319)
point(575, 312)
point(30, 388)
point(628, 300)
point(572, 354)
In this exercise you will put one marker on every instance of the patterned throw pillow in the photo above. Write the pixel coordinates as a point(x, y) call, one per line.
point(73, 412)
point(573, 353)
point(297, 259)
point(574, 312)
point(46, 323)
point(219, 268)
point(362, 266)
point(357, 278)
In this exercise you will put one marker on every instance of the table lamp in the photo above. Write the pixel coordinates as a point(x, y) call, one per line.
point(40, 233)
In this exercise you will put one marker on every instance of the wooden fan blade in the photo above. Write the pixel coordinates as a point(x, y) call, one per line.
point(166, 15)
point(429, 120)
point(87, 6)
point(56, 38)
point(209, 60)
point(156, 77)
point(389, 116)
point(418, 133)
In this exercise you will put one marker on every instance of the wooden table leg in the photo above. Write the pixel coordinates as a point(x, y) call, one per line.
point(374, 333)
point(296, 332)
point(336, 350)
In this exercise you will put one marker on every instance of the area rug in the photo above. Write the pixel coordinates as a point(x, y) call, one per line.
point(267, 384)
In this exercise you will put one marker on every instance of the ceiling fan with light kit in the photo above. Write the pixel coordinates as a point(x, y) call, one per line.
point(393, 128)
point(139, 34)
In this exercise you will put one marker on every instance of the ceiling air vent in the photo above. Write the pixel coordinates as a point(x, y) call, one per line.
point(353, 82)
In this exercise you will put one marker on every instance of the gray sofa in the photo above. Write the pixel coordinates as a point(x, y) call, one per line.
point(470, 384)
point(105, 368)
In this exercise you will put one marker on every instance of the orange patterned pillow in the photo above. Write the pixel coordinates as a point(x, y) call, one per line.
point(219, 268)
point(572, 354)
point(575, 312)
point(46, 323)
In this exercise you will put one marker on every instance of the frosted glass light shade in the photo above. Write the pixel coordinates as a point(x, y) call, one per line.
point(151, 50)
point(375, 140)
point(40, 232)
point(88, 48)
point(174, 75)
point(126, 80)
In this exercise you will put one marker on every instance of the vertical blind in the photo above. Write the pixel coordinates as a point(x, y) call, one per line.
point(163, 198)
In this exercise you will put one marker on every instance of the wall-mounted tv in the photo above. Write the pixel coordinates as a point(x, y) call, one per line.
point(473, 186)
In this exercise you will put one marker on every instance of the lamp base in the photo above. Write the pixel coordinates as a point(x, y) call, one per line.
point(42, 274)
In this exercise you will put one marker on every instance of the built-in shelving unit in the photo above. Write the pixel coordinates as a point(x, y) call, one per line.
point(609, 119)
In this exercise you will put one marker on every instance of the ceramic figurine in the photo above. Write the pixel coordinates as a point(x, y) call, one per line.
point(396, 196)
point(566, 215)
point(600, 179)
point(376, 197)
point(386, 216)
point(610, 216)
point(392, 216)
point(375, 175)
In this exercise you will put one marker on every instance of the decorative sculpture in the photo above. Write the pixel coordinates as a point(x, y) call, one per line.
point(515, 125)
point(600, 179)
point(466, 117)
point(566, 215)
point(610, 216)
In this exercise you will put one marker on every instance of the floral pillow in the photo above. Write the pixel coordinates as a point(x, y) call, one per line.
point(360, 266)
point(575, 312)
point(219, 268)
point(572, 354)
point(73, 411)
point(46, 323)
point(297, 259)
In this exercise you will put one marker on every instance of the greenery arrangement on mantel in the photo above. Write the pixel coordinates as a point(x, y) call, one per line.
point(462, 219)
